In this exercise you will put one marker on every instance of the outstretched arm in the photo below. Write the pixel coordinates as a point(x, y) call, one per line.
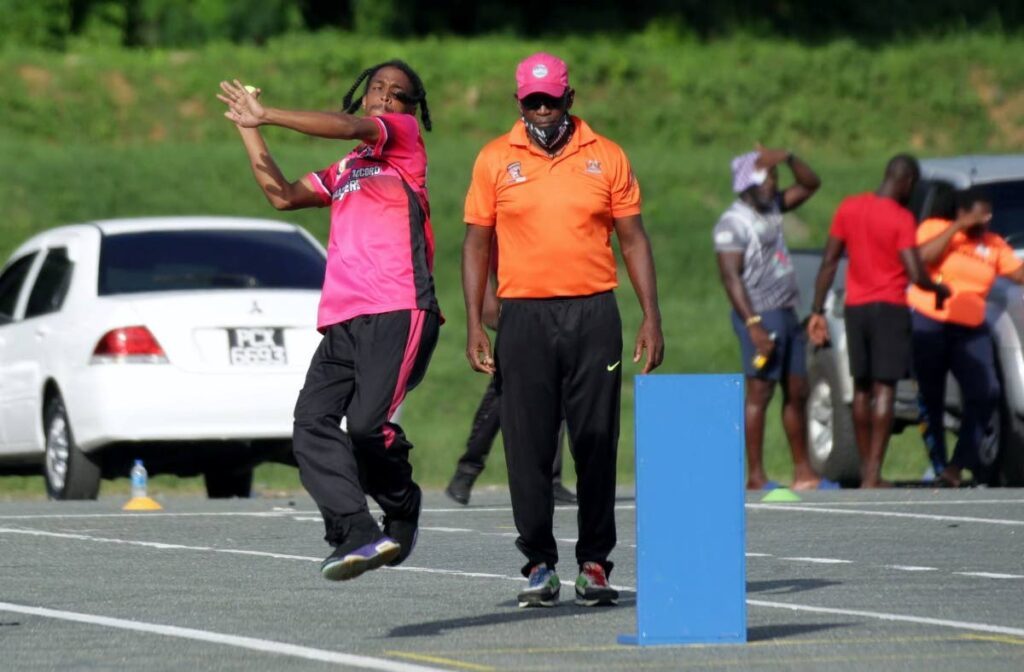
point(1016, 275)
point(636, 252)
point(281, 193)
point(245, 110)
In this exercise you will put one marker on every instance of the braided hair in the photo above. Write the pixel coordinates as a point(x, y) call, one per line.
point(417, 97)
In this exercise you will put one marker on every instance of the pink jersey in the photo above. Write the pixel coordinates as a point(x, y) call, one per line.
point(380, 255)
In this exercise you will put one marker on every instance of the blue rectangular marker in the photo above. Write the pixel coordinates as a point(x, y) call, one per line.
point(690, 520)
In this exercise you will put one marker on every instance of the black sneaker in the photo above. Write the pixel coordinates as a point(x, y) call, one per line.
point(357, 556)
point(405, 530)
point(460, 486)
point(563, 494)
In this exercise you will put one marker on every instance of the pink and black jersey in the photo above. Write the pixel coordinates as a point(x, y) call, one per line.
point(380, 255)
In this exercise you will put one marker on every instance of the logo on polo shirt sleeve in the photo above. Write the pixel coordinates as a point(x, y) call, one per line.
point(593, 166)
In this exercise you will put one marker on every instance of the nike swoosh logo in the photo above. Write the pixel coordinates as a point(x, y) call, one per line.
point(612, 367)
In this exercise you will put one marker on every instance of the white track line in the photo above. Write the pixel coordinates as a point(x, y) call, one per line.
point(885, 514)
point(962, 625)
point(156, 514)
point(821, 561)
point(164, 546)
point(161, 546)
point(902, 618)
point(276, 513)
point(912, 568)
point(251, 643)
point(918, 503)
point(283, 512)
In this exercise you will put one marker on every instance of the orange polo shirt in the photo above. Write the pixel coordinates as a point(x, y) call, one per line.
point(969, 267)
point(553, 216)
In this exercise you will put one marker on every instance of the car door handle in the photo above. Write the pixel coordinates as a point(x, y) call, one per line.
point(42, 332)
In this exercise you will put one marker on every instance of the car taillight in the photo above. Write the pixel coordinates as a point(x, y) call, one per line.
point(129, 345)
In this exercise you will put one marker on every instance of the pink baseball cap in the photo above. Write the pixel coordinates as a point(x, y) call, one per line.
point(541, 73)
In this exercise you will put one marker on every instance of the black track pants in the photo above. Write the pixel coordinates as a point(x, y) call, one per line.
point(486, 425)
point(361, 371)
point(554, 354)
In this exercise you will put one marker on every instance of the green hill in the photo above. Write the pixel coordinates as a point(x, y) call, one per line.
point(119, 133)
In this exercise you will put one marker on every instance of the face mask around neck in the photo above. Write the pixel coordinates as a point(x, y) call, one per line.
point(554, 137)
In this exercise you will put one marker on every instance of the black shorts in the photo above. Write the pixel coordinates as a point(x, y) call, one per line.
point(878, 340)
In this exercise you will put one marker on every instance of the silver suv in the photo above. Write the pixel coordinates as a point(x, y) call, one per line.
point(832, 446)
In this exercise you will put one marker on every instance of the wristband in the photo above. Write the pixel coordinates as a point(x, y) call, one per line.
point(818, 311)
point(752, 320)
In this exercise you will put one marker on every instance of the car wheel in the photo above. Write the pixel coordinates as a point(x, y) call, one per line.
point(1010, 463)
point(229, 482)
point(69, 473)
point(832, 447)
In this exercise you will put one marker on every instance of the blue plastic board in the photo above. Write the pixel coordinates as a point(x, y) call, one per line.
point(691, 569)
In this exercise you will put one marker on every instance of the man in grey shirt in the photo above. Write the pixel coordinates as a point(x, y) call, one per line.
point(757, 273)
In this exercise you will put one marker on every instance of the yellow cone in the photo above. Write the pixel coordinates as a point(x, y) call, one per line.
point(142, 504)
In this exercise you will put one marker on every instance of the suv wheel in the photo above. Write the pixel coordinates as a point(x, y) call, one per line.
point(69, 473)
point(832, 446)
point(1010, 463)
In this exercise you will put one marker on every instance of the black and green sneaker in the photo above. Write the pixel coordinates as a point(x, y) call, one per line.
point(542, 590)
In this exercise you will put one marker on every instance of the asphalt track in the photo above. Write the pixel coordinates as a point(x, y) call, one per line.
point(903, 579)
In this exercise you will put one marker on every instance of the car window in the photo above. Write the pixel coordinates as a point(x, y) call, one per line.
point(51, 284)
point(1008, 210)
point(11, 281)
point(933, 198)
point(158, 261)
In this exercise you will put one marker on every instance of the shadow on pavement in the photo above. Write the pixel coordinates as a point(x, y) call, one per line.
point(510, 613)
point(785, 586)
point(761, 633)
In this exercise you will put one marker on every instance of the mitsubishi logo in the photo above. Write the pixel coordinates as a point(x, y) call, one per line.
point(255, 310)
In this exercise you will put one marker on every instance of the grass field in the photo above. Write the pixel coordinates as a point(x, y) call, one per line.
point(115, 133)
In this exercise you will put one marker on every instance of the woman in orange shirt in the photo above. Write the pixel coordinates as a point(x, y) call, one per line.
point(953, 336)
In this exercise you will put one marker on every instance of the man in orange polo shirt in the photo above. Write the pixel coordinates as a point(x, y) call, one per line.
point(968, 258)
point(554, 191)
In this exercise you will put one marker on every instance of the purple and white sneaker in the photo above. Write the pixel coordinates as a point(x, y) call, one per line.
point(356, 557)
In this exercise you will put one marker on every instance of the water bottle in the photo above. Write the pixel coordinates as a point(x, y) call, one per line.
point(139, 477)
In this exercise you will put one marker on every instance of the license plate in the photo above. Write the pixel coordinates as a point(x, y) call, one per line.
point(257, 346)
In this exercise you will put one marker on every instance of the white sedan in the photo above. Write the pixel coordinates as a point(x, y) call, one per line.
point(182, 341)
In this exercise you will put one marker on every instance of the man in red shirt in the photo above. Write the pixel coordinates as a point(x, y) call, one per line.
point(877, 232)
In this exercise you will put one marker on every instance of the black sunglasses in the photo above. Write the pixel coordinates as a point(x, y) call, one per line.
point(535, 101)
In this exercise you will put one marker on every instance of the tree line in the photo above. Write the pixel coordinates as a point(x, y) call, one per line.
point(55, 24)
